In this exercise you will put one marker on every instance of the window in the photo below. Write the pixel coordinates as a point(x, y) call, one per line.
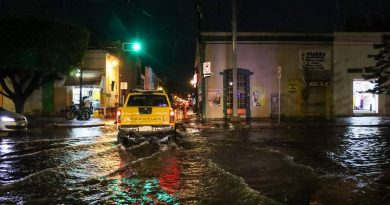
point(148, 100)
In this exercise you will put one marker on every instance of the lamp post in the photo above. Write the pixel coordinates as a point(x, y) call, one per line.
point(79, 74)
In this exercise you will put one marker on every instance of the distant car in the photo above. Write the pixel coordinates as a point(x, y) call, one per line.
point(10, 121)
point(147, 115)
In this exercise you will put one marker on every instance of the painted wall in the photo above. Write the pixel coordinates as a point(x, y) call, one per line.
point(112, 81)
point(218, 55)
point(330, 94)
point(262, 59)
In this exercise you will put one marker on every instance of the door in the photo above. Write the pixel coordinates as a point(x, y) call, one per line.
point(243, 93)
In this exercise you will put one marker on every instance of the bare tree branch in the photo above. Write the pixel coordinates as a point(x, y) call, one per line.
point(9, 92)
point(4, 94)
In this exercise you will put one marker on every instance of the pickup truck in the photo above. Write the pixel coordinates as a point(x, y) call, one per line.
point(146, 115)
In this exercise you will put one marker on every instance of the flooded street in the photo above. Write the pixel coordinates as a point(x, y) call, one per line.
point(300, 165)
point(332, 165)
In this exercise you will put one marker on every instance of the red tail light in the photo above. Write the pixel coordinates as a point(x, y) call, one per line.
point(172, 116)
point(118, 116)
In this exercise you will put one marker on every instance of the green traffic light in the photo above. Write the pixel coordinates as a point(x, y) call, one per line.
point(136, 46)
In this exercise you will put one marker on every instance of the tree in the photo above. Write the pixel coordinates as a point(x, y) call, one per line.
point(380, 72)
point(36, 51)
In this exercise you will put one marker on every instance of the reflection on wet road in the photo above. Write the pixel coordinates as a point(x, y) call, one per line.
point(330, 165)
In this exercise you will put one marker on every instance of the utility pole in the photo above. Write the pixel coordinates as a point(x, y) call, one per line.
point(279, 76)
point(234, 58)
point(201, 81)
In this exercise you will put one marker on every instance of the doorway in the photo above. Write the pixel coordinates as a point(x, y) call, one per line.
point(363, 102)
point(243, 93)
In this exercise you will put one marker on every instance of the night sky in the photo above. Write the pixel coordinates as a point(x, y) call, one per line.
point(167, 28)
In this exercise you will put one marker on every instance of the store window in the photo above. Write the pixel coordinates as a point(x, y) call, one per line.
point(363, 102)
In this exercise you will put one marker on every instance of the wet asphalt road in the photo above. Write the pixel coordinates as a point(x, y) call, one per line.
point(308, 165)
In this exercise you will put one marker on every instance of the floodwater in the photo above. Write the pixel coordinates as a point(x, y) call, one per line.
point(318, 165)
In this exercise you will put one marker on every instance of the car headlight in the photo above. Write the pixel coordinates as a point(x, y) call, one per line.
point(7, 119)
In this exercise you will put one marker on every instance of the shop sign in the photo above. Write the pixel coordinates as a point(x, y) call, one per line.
point(315, 59)
point(318, 83)
point(292, 86)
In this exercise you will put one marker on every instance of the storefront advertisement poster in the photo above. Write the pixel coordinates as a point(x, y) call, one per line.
point(258, 97)
point(214, 97)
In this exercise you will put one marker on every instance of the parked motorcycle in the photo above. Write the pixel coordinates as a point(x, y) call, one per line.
point(81, 114)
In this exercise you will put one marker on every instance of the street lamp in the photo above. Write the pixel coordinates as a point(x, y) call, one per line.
point(79, 74)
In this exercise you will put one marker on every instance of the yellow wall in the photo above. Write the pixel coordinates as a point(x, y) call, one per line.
point(1, 97)
point(6, 103)
point(112, 75)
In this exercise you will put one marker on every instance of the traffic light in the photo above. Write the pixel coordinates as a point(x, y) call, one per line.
point(135, 46)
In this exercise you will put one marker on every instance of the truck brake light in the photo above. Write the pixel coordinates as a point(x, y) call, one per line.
point(172, 116)
point(118, 116)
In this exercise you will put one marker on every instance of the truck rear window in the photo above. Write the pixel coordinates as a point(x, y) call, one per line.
point(148, 100)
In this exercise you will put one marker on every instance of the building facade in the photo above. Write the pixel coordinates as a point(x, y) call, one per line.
point(100, 82)
point(106, 81)
point(320, 75)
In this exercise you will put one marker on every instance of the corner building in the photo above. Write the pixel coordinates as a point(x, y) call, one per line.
point(321, 75)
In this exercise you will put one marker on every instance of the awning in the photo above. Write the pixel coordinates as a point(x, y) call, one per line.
point(87, 81)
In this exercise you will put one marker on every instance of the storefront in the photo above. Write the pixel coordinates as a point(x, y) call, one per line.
point(100, 82)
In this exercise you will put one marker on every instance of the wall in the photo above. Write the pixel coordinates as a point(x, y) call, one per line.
point(262, 59)
point(351, 50)
point(112, 81)
point(218, 55)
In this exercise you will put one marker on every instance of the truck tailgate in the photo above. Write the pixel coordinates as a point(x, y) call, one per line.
point(145, 115)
